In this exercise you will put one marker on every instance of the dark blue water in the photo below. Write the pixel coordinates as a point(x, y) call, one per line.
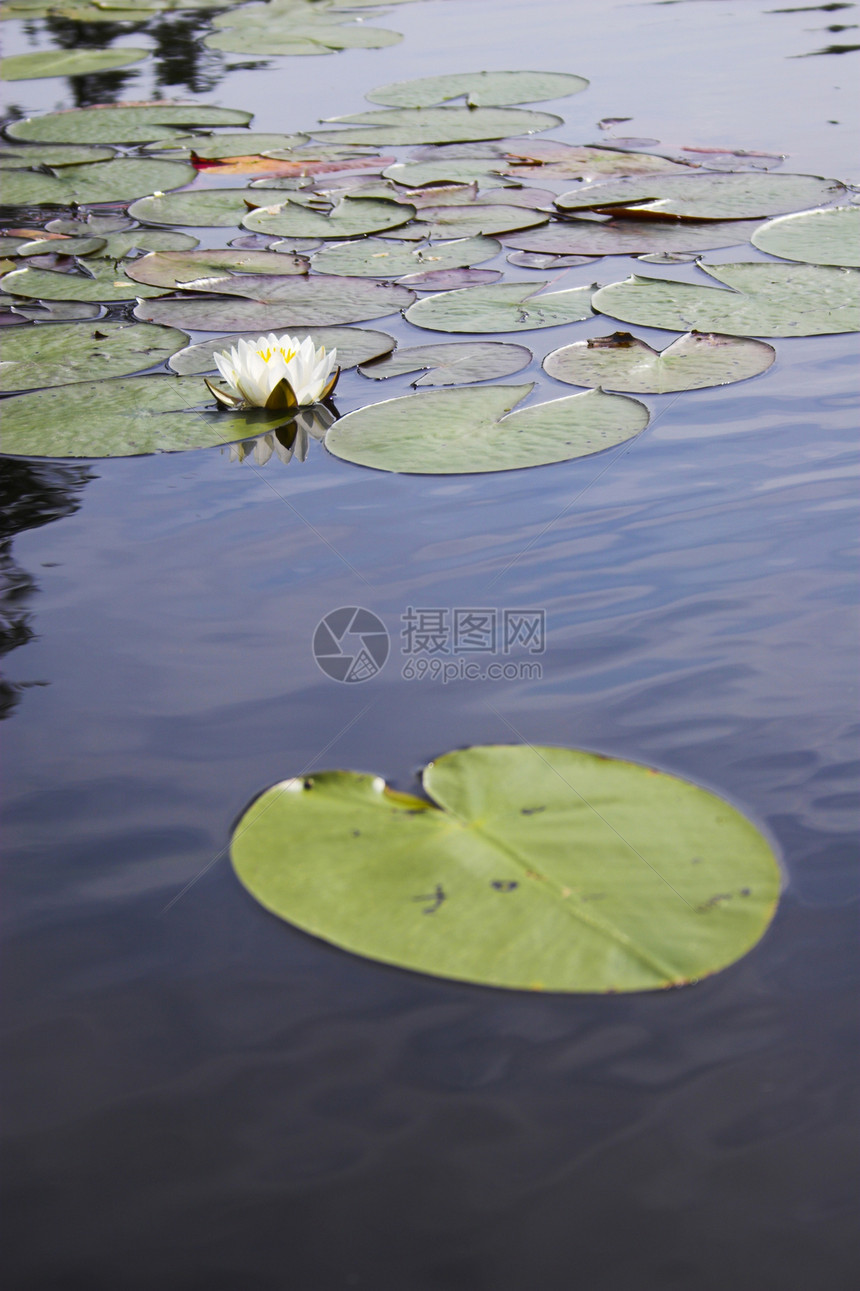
point(200, 1097)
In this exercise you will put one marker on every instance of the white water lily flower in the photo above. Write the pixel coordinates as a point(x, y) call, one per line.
point(275, 372)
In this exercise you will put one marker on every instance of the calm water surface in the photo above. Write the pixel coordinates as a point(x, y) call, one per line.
point(200, 1097)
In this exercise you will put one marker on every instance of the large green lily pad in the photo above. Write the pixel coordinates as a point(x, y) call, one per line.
point(354, 345)
point(48, 154)
point(531, 868)
point(631, 237)
point(706, 196)
point(501, 307)
point(694, 361)
point(480, 89)
point(140, 124)
point(293, 303)
point(203, 207)
point(194, 268)
point(103, 282)
point(829, 236)
point(452, 363)
point(67, 62)
point(119, 180)
point(376, 258)
point(471, 220)
point(61, 353)
point(123, 417)
point(299, 38)
point(349, 217)
point(391, 127)
point(452, 432)
point(764, 299)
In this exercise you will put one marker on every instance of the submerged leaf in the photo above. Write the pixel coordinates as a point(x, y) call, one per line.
point(452, 432)
point(694, 361)
point(531, 868)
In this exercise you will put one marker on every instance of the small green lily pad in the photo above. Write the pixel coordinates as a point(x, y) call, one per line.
point(452, 363)
point(631, 237)
point(310, 37)
point(471, 220)
point(67, 62)
point(139, 124)
point(62, 353)
point(452, 432)
point(103, 282)
point(391, 127)
point(349, 217)
point(354, 345)
point(501, 307)
point(215, 147)
point(192, 268)
point(531, 868)
point(707, 196)
point(692, 362)
point(481, 89)
point(763, 299)
point(829, 236)
point(376, 258)
point(203, 207)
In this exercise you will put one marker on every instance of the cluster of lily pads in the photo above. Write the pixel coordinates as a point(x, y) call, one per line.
point(342, 225)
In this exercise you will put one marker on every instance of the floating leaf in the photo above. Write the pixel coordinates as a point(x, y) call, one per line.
point(704, 196)
point(418, 174)
point(531, 868)
point(102, 282)
point(187, 268)
point(376, 258)
point(67, 62)
point(537, 260)
point(52, 154)
point(830, 236)
point(448, 279)
point(482, 89)
point(57, 311)
point(501, 307)
point(354, 345)
point(348, 218)
point(300, 38)
point(452, 432)
point(299, 303)
point(631, 237)
point(126, 242)
point(452, 363)
point(204, 207)
point(765, 299)
point(472, 220)
point(394, 126)
point(123, 417)
point(102, 181)
point(552, 159)
point(623, 362)
point(212, 147)
point(140, 124)
point(67, 352)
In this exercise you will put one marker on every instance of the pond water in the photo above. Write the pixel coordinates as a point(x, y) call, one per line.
point(200, 1096)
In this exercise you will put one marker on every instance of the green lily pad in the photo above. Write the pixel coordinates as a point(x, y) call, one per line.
point(452, 432)
point(97, 223)
point(692, 362)
point(101, 181)
point(296, 303)
point(552, 159)
point(67, 62)
point(218, 146)
point(481, 89)
point(348, 218)
point(354, 345)
point(124, 417)
point(472, 220)
point(391, 127)
point(421, 174)
point(707, 196)
point(376, 258)
point(530, 868)
point(300, 38)
point(188, 268)
point(764, 299)
point(449, 279)
point(56, 311)
point(127, 241)
point(142, 124)
point(830, 236)
point(452, 363)
point(62, 246)
point(204, 207)
point(501, 307)
point(538, 260)
point(48, 154)
point(61, 353)
point(631, 237)
point(103, 282)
